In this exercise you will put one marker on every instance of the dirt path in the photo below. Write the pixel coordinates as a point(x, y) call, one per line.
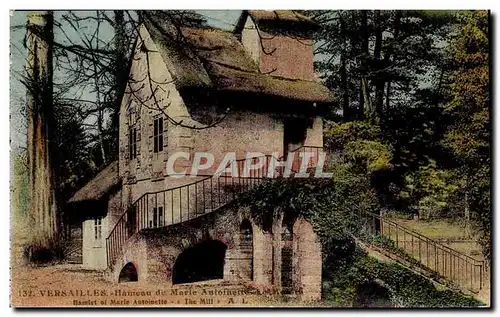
point(73, 286)
point(70, 286)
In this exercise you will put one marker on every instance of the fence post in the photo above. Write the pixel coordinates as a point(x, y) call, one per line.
point(420, 250)
point(481, 268)
point(397, 238)
point(471, 276)
point(427, 249)
point(188, 199)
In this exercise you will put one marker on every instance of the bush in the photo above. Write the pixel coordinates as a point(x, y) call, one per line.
point(336, 207)
point(347, 274)
point(410, 289)
point(429, 190)
point(340, 134)
point(333, 206)
point(54, 250)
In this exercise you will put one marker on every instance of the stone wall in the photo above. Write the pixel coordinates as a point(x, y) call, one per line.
point(280, 55)
point(241, 131)
point(155, 252)
point(291, 57)
point(307, 252)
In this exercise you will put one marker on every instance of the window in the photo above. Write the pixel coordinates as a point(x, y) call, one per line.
point(98, 228)
point(132, 114)
point(158, 135)
point(157, 218)
point(132, 142)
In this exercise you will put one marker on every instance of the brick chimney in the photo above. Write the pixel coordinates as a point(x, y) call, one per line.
point(280, 42)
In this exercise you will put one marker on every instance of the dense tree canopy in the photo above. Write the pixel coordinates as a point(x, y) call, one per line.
point(415, 110)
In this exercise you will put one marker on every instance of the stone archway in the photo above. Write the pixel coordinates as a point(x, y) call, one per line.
point(128, 273)
point(201, 262)
point(287, 253)
point(246, 250)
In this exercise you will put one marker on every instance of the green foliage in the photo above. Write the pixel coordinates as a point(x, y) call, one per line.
point(410, 289)
point(341, 276)
point(370, 156)
point(340, 134)
point(349, 269)
point(430, 189)
point(395, 48)
point(469, 134)
point(334, 206)
point(361, 146)
point(75, 155)
point(389, 245)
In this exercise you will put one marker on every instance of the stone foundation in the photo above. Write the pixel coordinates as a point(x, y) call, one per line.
point(252, 254)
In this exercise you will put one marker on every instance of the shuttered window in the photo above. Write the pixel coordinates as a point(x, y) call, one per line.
point(132, 142)
point(158, 135)
point(98, 228)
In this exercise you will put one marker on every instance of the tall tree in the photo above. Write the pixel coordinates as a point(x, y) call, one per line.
point(387, 54)
point(469, 135)
point(42, 143)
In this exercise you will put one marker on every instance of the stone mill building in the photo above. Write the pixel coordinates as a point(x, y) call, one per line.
point(200, 89)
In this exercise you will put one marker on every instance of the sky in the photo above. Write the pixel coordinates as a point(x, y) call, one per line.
point(224, 19)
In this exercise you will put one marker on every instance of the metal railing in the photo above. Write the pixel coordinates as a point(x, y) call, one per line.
point(186, 202)
point(458, 268)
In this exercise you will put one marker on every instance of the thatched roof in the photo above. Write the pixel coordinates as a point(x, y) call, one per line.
point(277, 21)
point(214, 46)
point(280, 15)
point(216, 59)
point(182, 63)
point(235, 80)
point(100, 186)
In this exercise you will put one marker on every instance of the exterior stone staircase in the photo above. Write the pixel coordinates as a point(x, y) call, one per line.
point(189, 201)
point(210, 193)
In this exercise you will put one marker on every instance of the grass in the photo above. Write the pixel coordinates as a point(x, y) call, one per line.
point(434, 229)
point(450, 234)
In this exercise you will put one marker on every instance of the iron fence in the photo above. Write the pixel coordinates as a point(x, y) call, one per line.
point(186, 202)
point(460, 269)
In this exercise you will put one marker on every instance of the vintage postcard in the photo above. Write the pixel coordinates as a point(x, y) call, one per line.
point(250, 158)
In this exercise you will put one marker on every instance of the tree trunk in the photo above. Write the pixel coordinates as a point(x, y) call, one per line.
point(379, 80)
point(369, 114)
point(343, 71)
point(42, 144)
point(387, 95)
point(120, 71)
point(468, 233)
point(363, 85)
point(100, 110)
point(388, 54)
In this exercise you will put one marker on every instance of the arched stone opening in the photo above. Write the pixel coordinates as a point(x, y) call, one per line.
point(202, 262)
point(287, 253)
point(246, 250)
point(267, 222)
point(128, 273)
